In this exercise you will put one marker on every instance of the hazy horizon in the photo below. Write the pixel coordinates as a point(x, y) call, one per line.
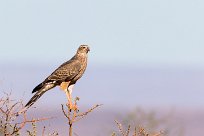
point(126, 86)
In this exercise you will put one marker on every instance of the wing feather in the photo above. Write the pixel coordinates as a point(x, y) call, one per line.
point(66, 71)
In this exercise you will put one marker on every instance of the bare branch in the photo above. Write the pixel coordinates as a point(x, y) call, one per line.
point(128, 131)
point(43, 132)
point(8, 116)
point(73, 114)
point(82, 115)
point(63, 110)
point(120, 127)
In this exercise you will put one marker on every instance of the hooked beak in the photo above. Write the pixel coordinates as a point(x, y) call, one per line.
point(88, 49)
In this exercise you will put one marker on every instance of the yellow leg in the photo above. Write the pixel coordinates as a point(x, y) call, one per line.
point(64, 87)
point(69, 97)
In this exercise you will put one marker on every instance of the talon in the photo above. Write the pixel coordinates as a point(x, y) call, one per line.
point(73, 107)
point(70, 106)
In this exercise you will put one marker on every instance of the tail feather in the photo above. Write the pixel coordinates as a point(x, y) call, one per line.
point(37, 88)
point(39, 93)
point(40, 90)
point(31, 102)
point(34, 98)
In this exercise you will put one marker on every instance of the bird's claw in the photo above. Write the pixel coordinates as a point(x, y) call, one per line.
point(73, 107)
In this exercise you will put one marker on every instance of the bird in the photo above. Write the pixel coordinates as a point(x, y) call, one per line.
point(65, 76)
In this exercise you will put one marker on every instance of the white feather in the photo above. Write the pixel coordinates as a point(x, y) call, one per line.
point(70, 88)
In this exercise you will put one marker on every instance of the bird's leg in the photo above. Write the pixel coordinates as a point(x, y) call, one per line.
point(69, 99)
point(67, 90)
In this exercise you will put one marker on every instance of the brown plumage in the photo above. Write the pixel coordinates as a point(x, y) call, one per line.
point(64, 76)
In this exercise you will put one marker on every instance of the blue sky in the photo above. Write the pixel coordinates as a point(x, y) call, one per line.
point(132, 32)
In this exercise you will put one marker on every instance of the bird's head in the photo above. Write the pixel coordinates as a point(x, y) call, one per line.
point(83, 49)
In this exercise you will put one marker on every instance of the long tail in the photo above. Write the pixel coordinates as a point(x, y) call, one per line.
point(34, 98)
point(40, 90)
point(38, 94)
point(31, 101)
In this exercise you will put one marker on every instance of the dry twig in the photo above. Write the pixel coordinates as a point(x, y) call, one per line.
point(73, 115)
point(8, 117)
point(141, 131)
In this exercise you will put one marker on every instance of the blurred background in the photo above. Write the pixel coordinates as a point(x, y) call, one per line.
point(146, 54)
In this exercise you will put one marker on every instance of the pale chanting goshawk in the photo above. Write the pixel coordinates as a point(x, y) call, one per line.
point(65, 76)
